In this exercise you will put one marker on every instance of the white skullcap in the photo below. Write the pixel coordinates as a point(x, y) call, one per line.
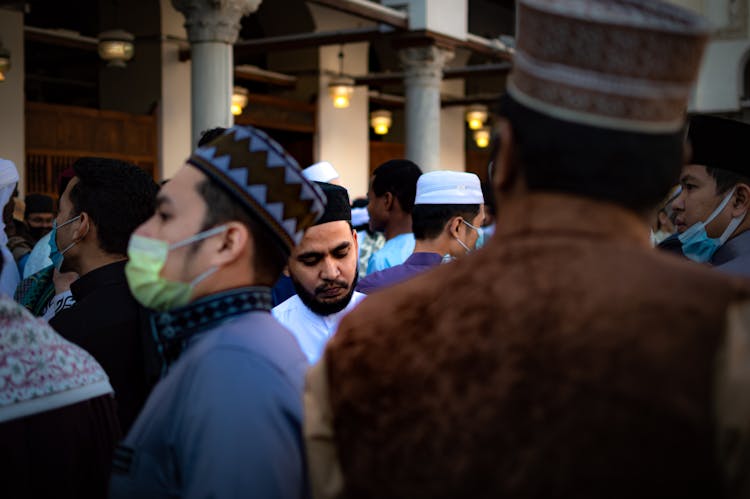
point(8, 173)
point(446, 187)
point(320, 172)
point(360, 217)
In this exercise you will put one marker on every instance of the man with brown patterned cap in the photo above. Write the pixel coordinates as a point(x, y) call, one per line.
point(225, 419)
point(566, 358)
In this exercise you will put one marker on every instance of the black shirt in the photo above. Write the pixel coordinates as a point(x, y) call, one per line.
point(107, 322)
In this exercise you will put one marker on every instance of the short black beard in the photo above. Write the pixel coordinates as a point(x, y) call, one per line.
point(319, 307)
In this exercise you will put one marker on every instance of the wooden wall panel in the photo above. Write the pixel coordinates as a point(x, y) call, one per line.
point(380, 152)
point(56, 136)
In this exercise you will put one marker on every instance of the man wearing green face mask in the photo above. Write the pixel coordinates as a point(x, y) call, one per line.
point(225, 419)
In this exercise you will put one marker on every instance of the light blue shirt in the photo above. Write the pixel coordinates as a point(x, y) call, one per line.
point(394, 252)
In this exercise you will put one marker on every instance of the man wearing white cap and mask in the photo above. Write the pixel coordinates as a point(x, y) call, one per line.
point(567, 358)
point(446, 221)
point(9, 277)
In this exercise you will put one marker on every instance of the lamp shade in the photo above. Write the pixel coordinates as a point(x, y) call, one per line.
point(239, 100)
point(116, 47)
point(380, 121)
point(341, 90)
point(476, 115)
point(482, 137)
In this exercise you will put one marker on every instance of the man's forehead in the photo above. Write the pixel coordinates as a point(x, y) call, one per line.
point(184, 183)
point(325, 237)
point(695, 172)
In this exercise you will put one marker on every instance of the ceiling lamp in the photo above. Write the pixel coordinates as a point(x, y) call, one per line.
point(380, 121)
point(4, 62)
point(116, 47)
point(341, 87)
point(476, 115)
point(482, 137)
point(239, 100)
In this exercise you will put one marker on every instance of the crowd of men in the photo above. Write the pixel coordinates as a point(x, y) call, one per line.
point(577, 328)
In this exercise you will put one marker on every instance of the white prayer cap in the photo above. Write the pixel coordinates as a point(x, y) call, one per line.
point(360, 217)
point(447, 187)
point(8, 172)
point(320, 172)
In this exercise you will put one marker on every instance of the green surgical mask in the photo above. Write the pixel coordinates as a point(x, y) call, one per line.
point(147, 257)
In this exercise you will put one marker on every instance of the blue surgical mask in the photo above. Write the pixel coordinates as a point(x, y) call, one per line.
point(55, 254)
point(697, 246)
point(480, 238)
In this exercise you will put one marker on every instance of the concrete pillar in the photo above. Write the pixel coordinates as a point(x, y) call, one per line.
point(212, 29)
point(452, 130)
point(12, 124)
point(423, 67)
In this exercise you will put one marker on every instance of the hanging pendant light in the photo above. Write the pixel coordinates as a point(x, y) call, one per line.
point(239, 100)
point(482, 137)
point(380, 121)
point(4, 62)
point(341, 87)
point(116, 47)
point(476, 115)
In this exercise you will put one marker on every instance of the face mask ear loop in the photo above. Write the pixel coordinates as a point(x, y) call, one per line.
point(463, 245)
point(731, 228)
point(56, 227)
point(719, 208)
point(199, 236)
point(203, 276)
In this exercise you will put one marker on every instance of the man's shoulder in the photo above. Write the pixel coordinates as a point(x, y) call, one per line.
point(290, 306)
point(381, 278)
point(255, 337)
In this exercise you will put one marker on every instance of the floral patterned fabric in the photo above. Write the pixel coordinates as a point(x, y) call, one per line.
point(39, 370)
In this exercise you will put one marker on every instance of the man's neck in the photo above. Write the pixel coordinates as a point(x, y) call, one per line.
point(399, 224)
point(430, 246)
point(97, 261)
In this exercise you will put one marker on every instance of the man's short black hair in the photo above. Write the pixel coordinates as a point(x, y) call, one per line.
point(726, 179)
point(269, 257)
point(399, 177)
point(634, 170)
point(116, 195)
point(428, 220)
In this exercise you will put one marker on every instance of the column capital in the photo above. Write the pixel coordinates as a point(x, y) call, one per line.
point(424, 62)
point(214, 20)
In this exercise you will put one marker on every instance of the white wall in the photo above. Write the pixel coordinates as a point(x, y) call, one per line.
point(342, 137)
point(720, 82)
point(12, 100)
point(449, 17)
point(174, 110)
point(719, 85)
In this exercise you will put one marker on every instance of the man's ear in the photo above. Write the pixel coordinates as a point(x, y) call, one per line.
point(453, 226)
point(356, 240)
point(741, 203)
point(505, 169)
point(84, 227)
point(388, 201)
point(232, 244)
